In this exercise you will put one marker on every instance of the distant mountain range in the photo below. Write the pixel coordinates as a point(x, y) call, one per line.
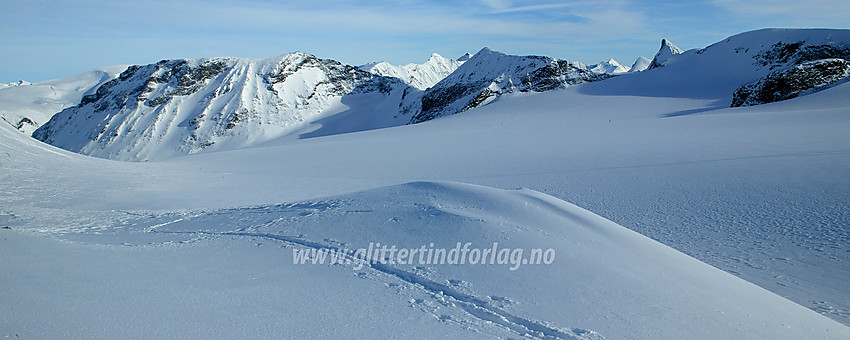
point(184, 106)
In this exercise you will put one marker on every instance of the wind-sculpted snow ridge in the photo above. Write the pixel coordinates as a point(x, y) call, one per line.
point(490, 74)
point(186, 106)
point(421, 76)
point(604, 279)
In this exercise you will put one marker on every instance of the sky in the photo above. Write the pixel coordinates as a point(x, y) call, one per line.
point(41, 40)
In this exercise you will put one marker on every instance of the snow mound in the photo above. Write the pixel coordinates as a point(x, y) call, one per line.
point(421, 76)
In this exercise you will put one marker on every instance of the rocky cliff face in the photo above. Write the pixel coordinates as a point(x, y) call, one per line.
point(796, 68)
point(805, 78)
point(782, 54)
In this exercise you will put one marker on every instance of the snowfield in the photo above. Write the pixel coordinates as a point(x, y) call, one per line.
point(670, 214)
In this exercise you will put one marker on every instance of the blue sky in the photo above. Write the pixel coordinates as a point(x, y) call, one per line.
point(42, 40)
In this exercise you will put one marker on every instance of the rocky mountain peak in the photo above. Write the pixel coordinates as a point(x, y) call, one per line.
point(666, 51)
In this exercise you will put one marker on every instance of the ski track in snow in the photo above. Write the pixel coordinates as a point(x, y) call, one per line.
point(473, 305)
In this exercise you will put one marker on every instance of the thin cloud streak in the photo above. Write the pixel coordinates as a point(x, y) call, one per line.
point(529, 8)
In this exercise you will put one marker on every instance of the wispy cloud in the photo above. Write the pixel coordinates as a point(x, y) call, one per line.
point(529, 8)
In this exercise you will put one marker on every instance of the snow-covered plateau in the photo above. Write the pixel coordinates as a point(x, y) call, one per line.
point(668, 213)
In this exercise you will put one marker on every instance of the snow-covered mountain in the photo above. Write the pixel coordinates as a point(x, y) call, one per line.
point(490, 74)
point(26, 106)
point(176, 107)
point(421, 76)
point(640, 64)
point(609, 67)
point(667, 51)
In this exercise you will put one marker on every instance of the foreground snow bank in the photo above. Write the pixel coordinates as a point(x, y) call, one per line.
point(226, 272)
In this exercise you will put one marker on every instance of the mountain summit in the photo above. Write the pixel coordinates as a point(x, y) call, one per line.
point(609, 67)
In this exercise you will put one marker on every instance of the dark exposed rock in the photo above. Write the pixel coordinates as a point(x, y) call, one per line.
point(789, 83)
point(781, 54)
point(23, 121)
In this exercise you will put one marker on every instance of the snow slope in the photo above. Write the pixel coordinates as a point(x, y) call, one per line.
point(421, 76)
point(26, 106)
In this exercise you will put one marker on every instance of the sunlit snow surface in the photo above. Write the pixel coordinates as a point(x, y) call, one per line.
point(202, 245)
